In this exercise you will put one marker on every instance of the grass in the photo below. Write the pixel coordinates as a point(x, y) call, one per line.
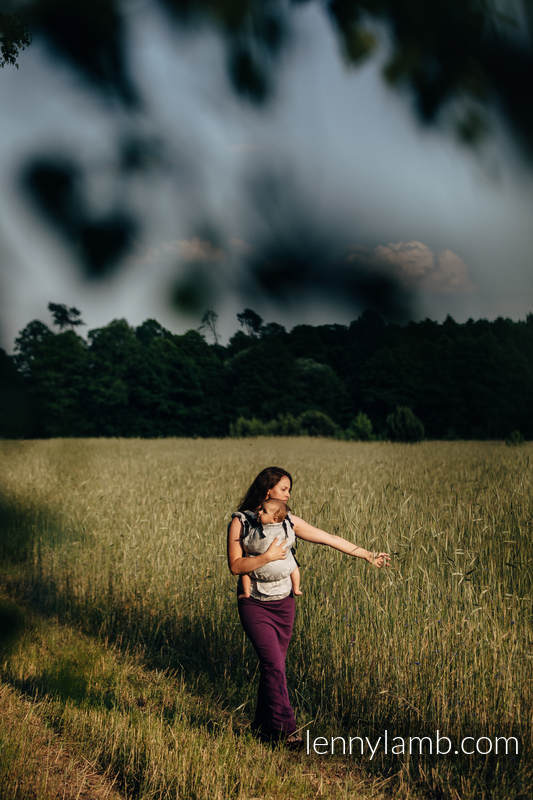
point(115, 550)
point(36, 764)
point(141, 730)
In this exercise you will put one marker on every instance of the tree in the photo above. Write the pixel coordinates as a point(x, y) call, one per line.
point(209, 411)
point(237, 343)
point(29, 344)
point(64, 317)
point(115, 362)
point(316, 385)
point(472, 380)
point(14, 37)
point(251, 321)
point(272, 329)
point(15, 418)
point(149, 330)
point(55, 369)
point(209, 322)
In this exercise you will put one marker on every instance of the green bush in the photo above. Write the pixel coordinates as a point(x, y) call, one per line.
point(360, 428)
point(286, 425)
point(515, 438)
point(316, 423)
point(404, 426)
point(248, 427)
point(309, 423)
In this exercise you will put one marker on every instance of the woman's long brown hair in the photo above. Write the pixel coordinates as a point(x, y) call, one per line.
point(258, 490)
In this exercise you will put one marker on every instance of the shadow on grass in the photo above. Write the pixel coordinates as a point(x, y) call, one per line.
point(66, 678)
point(12, 626)
point(24, 528)
point(17, 531)
point(179, 645)
point(208, 659)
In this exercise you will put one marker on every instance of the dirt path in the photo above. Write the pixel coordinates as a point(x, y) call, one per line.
point(48, 767)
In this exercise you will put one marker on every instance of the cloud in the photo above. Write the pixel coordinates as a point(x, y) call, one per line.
point(410, 260)
point(240, 246)
point(196, 249)
point(450, 275)
point(417, 266)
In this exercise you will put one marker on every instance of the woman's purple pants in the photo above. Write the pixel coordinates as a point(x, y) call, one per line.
point(268, 625)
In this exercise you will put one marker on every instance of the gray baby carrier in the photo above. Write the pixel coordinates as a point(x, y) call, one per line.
point(251, 526)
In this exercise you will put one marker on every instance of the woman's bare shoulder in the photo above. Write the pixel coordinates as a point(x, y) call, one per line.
point(304, 530)
point(235, 525)
point(297, 522)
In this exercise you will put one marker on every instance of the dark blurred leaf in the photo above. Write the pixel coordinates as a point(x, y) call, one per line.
point(448, 49)
point(90, 34)
point(247, 75)
point(193, 291)
point(56, 187)
point(103, 242)
point(53, 184)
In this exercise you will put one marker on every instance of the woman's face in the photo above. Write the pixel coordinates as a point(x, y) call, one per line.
point(281, 491)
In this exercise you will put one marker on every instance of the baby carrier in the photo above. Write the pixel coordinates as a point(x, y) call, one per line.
point(256, 540)
point(249, 520)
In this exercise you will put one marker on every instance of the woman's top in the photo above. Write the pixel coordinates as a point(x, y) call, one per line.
point(271, 581)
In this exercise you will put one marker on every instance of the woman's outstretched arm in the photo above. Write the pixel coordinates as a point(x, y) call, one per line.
point(238, 562)
point(309, 533)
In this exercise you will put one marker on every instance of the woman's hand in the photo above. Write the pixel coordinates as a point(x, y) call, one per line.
point(276, 551)
point(379, 559)
point(238, 562)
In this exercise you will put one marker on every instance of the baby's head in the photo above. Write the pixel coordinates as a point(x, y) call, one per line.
point(271, 511)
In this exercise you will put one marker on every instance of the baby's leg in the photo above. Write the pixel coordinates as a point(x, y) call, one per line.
point(246, 583)
point(295, 580)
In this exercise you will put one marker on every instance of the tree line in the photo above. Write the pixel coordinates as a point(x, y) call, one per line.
point(369, 379)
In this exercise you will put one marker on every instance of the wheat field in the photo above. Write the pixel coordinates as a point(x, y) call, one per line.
point(115, 549)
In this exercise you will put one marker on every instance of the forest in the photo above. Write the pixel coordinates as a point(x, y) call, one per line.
point(371, 379)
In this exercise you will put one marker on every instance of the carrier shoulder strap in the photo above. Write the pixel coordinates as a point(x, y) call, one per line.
point(289, 520)
point(247, 521)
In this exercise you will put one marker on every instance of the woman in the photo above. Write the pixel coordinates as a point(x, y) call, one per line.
point(268, 615)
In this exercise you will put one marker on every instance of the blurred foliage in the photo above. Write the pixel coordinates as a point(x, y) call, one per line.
point(477, 50)
point(57, 188)
point(460, 63)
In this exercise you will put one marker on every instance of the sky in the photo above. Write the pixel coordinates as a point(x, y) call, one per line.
point(335, 166)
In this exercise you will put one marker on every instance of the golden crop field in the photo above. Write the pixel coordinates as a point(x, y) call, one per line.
point(121, 635)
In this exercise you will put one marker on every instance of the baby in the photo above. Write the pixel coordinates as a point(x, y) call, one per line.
point(271, 512)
